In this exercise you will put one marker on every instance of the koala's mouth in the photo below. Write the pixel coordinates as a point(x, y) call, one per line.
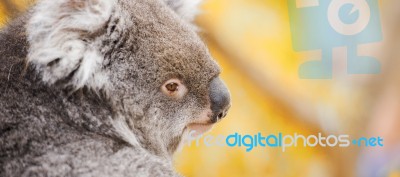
point(199, 128)
point(202, 124)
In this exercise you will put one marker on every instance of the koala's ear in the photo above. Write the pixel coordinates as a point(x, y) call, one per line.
point(61, 35)
point(187, 9)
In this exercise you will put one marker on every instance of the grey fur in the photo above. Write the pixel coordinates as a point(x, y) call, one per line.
point(61, 129)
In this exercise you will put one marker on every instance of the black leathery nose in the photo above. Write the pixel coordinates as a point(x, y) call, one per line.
point(220, 99)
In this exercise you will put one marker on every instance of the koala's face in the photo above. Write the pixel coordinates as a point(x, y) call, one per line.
point(161, 67)
point(142, 52)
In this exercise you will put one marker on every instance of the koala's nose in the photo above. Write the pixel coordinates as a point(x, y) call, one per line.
point(220, 99)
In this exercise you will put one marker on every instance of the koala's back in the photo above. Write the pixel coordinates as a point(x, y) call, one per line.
point(44, 132)
point(29, 126)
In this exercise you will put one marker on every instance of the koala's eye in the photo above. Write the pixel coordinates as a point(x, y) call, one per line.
point(174, 88)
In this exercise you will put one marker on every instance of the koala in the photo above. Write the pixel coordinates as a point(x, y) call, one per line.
point(104, 88)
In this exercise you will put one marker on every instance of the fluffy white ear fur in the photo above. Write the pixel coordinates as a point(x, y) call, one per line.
point(57, 48)
point(187, 9)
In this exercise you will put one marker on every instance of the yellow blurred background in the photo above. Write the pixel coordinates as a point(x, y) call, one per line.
point(251, 40)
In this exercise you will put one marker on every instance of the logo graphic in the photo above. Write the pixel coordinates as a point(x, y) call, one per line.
point(326, 24)
point(280, 140)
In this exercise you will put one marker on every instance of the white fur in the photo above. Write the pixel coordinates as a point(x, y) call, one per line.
point(187, 9)
point(190, 9)
point(124, 131)
point(55, 30)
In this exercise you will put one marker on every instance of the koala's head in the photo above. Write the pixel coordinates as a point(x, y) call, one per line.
point(144, 54)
